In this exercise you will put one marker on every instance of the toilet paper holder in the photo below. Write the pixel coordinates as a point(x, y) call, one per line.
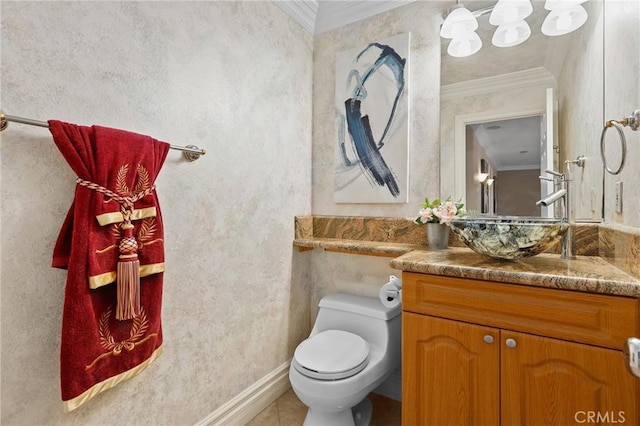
point(391, 291)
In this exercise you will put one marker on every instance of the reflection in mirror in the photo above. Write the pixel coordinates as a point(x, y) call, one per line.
point(500, 84)
point(508, 152)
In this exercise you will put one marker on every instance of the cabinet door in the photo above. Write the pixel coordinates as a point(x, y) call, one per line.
point(450, 372)
point(553, 382)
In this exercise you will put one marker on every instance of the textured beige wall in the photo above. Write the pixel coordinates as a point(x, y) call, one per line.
point(580, 95)
point(622, 96)
point(613, 30)
point(232, 77)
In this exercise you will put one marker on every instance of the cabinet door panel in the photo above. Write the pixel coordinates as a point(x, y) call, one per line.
point(553, 382)
point(450, 374)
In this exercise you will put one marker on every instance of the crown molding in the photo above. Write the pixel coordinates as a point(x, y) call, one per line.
point(303, 12)
point(336, 14)
point(318, 16)
point(538, 76)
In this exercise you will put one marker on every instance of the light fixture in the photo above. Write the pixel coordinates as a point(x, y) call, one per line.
point(460, 24)
point(490, 181)
point(563, 20)
point(510, 11)
point(511, 34)
point(459, 21)
point(509, 16)
point(465, 45)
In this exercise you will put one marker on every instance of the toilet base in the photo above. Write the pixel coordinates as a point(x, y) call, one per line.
point(360, 415)
point(363, 412)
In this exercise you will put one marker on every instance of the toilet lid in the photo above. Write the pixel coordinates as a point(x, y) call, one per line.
point(331, 355)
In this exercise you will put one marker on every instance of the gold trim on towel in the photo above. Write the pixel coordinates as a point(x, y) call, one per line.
point(153, 268)
point(98, 281)
point(116, 217)
point(76, 402)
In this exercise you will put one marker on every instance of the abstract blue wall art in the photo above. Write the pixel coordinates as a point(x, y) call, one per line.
point(372, 115)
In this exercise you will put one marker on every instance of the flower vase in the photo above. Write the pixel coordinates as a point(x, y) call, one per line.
point(437, 236)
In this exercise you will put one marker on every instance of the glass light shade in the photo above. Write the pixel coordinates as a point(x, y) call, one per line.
point(459, 21)
point(482, 177)
point(562, 21)
point(562, 4)
point(509, 11)
point(511, 34)
point(465, 45)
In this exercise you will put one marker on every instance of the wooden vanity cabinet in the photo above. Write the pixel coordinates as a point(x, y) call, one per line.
point(486, 353)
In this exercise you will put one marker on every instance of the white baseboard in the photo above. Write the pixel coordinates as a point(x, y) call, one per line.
point(252, 401)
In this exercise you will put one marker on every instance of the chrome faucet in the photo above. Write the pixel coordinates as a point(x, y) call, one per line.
point(563, 193)
point(552, 198)
point(557, 180)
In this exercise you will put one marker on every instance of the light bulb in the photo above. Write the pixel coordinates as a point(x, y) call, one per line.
point(458, 29)
point(511, 34)
point(562, 21)
point(464, 48)
point(509, 11)
point(458, 22)
point(465, 45)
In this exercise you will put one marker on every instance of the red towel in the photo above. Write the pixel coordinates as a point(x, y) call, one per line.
point(99, 351)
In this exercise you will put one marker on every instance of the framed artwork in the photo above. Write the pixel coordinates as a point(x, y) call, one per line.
point(372, 123)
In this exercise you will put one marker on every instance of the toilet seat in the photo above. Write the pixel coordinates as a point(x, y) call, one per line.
point(331, 355)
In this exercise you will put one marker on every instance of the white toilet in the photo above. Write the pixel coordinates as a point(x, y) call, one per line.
point(353, 347)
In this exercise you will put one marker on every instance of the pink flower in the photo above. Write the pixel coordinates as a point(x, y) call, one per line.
point(426, 215)
point(438, 212)
point(446, 212)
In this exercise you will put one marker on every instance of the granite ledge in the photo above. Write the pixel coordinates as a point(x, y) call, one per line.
point(587, 273)
point(371, 248)
point(387, 236)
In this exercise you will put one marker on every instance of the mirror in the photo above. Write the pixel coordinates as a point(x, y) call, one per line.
point(498, 85)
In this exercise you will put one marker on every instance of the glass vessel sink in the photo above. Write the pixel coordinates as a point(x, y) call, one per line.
point(509, 237)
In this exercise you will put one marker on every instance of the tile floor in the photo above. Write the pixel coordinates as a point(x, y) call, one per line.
point(289, 411)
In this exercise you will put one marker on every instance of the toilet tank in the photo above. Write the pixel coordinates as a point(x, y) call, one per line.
point(364, 316)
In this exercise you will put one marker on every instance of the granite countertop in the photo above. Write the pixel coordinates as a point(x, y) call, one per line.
point(607, 261)
point(373, 248)
point(586, 273)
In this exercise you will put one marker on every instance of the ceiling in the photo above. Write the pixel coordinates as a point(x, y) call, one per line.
point(498, 139)
point(318, 16)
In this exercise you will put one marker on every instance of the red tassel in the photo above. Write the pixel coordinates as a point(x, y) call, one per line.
point(128, 290)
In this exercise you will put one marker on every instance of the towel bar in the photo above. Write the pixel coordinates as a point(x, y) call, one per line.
point(190, 152)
